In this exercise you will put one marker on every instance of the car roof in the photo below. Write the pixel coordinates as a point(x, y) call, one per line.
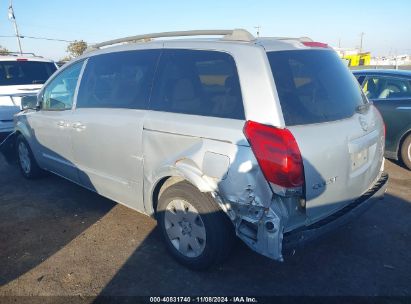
point(383, 72)
point(269, 44)
point(230, 40)
point(23, 58)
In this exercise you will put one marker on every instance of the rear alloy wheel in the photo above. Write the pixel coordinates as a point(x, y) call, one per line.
point(27, 164)
point(185, 228)
point(406, 152)
point(196, 231)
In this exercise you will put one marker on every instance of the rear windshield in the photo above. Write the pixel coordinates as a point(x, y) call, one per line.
point(314, 86)
point(25, 72)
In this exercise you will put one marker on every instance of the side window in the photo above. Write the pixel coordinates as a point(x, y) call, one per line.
point(360, 78)
point(387, 87)
point(118, 80)
point(370, 87)
point(59, 93)
point(395, 88)
point(199, 83)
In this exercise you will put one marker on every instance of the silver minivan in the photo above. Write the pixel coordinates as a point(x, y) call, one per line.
point(267, 139)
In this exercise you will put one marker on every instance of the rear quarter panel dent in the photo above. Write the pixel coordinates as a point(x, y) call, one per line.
point(212, 166)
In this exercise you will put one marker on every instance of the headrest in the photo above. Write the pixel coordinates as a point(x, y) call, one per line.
point(183, 89)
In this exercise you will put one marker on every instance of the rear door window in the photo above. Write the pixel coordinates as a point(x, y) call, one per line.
point(384, 87)
point(118, 80)
point(314, 86)
point(25, 72)
point(198, 83)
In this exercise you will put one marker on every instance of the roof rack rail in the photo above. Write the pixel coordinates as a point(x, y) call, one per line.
point(235, 34)
point(301, 39)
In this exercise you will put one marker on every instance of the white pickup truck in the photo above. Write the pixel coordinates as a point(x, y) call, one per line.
point(20, 75)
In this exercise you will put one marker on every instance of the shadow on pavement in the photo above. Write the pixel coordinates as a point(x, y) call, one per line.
point(370, 256)
point(37, 220)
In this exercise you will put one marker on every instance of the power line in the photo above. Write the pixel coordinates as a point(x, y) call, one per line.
point(45, 38)
point(39, 38)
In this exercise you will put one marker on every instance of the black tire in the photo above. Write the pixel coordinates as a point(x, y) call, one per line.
point(32, 171)
point(405, 152)
point(219, 231)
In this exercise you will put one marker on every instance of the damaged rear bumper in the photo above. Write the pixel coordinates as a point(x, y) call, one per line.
point(266, 236)
point(303, 235)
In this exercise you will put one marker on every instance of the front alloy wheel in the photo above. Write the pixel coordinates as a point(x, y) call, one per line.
point(24, 158)
point(27, 164)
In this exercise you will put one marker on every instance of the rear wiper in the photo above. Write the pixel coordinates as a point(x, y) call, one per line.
point(363, 108)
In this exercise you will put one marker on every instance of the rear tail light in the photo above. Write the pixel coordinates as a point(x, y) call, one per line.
point(315, 44)
point(278, 155)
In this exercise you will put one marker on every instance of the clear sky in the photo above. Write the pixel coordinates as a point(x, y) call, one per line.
point(386, 24)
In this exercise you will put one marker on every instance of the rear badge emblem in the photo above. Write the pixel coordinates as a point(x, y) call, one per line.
point(363, 123)
point(322, 184)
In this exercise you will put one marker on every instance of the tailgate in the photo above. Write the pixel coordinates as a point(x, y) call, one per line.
point(342, 159)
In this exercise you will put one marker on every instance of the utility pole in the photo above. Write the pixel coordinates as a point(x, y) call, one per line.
point(362, 36)
point(13, 19)
point(258, 30)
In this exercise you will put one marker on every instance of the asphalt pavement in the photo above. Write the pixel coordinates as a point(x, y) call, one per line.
point(57, 239)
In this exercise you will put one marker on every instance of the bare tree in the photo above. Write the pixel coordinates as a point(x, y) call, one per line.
point(76, 48)
point(65, 59)
point(3, 50)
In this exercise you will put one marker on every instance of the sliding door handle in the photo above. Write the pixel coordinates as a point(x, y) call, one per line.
point(78, 126)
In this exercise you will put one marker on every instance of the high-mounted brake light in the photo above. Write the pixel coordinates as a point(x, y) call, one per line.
point(277, 153)
point(22, 59)
point(315, 44)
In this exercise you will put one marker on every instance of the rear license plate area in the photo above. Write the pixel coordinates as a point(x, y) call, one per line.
point(358, 159)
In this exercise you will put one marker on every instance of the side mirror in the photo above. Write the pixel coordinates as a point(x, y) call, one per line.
point(29, 102)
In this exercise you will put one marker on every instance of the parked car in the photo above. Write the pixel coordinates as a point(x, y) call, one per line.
point(269, 139)
point(20, 75)
point(390, 91)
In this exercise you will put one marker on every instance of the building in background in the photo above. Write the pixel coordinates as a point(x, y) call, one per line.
point(396, 60)
point(354, 57)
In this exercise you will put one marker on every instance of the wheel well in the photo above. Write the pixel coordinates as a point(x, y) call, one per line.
point(401, 142)
point(17, 134)
point(161, 185)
